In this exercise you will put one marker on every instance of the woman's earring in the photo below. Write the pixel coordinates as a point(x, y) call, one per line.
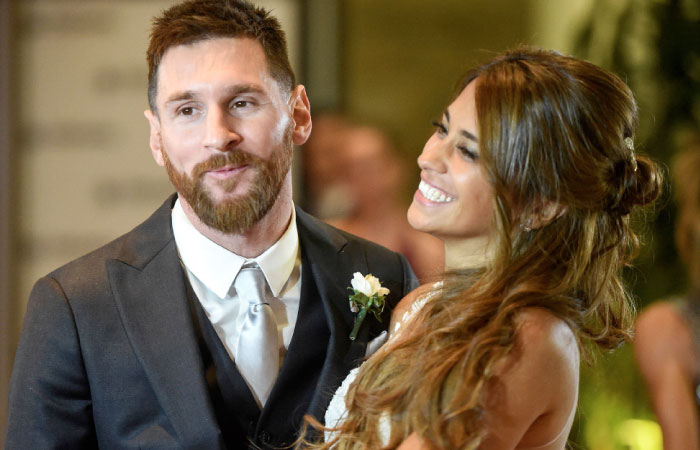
point(527, 226)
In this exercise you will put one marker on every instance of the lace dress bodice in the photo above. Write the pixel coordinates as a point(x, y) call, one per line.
point(337, 409)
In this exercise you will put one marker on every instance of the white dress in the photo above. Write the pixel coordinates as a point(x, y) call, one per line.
point(337, 410)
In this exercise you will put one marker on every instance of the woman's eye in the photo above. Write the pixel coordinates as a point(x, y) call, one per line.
point(468, 153)
point(439, 128)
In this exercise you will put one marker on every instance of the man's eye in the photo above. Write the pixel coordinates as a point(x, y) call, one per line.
point(187, 111)
point(241, 104)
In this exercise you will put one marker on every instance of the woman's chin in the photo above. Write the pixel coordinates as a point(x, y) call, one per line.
point(418, 219)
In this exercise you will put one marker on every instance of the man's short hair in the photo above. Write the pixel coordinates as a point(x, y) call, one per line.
point(196, 20)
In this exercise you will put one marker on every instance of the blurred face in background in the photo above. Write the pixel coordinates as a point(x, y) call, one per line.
point(373, 171)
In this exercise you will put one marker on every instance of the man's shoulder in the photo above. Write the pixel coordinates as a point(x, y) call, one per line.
point(326, 241)
point(134, 247)
point(319, 229)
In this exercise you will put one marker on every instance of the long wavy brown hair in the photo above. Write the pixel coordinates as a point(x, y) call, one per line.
point(552, 128)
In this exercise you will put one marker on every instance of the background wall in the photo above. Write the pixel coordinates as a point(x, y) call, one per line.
point(7, 306)
point(400, 64)
point(401, 60)
point(84, 169)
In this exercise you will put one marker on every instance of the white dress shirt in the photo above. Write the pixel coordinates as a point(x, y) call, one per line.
point(211, 270)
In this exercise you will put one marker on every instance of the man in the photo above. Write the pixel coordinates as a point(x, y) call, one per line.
point(224, 318)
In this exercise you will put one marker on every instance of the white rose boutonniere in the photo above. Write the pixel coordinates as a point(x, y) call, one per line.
point(368, 295)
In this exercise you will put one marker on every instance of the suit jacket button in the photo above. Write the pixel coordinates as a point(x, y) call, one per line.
point(264, 437)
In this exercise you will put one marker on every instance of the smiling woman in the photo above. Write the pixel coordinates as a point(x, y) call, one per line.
point(454, 198)
point(531, 194)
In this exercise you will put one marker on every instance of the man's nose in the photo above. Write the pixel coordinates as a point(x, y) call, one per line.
point(221, 131)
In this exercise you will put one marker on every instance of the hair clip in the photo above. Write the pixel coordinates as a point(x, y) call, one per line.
point(629, 143)
point(527, 226)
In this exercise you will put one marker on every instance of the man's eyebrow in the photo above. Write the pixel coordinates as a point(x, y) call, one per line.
point(180, 96)
point(464, 133)
point(244, 89)
point(230, 91)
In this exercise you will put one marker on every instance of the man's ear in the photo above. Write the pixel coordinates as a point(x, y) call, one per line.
point(155, 140)
point(301, 115)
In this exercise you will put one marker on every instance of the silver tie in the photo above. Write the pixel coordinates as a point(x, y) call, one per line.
point(257, 354)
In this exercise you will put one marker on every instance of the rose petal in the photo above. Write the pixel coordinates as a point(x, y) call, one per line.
point(360, 284)
point(373, 283)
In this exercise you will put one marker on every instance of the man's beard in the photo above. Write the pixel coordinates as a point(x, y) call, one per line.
point(235, 215)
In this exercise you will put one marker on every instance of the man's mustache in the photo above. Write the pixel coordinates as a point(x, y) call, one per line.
point(237, 158)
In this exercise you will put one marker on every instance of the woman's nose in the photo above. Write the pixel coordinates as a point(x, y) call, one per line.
point(433, 155)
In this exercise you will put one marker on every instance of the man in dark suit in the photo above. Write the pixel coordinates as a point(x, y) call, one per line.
point(223, 318)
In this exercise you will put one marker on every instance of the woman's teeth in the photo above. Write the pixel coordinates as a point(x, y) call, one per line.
point(433, 194)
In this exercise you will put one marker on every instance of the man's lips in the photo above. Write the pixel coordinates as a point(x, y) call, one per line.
point(227, 170)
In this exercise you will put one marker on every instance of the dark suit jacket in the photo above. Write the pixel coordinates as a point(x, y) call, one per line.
point(108, 356)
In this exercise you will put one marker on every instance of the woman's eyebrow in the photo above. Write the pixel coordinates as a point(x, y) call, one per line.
point(469, 135)
point(464, 133)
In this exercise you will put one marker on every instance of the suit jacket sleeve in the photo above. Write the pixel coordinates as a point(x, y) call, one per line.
point(410, 281)
point(49, 403)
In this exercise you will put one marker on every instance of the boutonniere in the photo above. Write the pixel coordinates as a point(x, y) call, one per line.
point(368, 295)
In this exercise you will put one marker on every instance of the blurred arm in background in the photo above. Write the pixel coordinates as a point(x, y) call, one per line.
point(667, 342)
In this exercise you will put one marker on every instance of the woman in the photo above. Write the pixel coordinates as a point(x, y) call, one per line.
point(529, 180)
point(667, 341)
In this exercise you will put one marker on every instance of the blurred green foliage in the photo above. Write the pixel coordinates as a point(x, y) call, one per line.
point(655, 46)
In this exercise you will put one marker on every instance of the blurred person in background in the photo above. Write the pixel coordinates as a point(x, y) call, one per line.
point(322, 158)
point(373, 175)
point(667, 341)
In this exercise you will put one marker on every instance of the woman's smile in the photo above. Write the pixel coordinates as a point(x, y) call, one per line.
point(432, 194)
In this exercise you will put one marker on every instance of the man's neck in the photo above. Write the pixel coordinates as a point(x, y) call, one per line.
point(259, 237)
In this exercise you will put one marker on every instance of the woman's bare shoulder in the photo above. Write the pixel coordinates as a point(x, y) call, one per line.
point(542, 334)
point(546, 349)
point(533, 402)
point(406, 302)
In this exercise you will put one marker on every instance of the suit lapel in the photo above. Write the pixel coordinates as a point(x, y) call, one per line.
point(331, 264)
point(149, 289)
point(150, 293)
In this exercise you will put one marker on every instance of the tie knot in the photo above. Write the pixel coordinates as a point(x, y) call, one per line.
point(251, 285)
